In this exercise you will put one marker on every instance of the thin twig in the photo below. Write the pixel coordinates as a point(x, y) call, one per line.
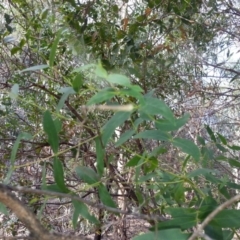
point(210, 217)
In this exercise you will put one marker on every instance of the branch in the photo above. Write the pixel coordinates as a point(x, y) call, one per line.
point(210, 217)
point(37, 232)
point(90, 203)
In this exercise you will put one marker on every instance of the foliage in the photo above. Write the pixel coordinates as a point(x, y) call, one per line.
point(95, 105)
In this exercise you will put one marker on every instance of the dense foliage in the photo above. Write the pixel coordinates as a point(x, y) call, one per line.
point(122, 109)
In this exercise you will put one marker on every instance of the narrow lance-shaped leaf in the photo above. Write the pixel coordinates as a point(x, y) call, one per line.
point(119, 80)
point(88, 175)
point(14, 91)
point(34, 68)
point(102, 96)
point(100, 156)
point(155, 106)
point(64, 97)
point(154, 134)
point(77, 82)
point(188, 147)
point(105, 197)
point(211, 134)
point(100, 71)
point(25, 136)
point(81, 209)
point(50, 130)
point(54, 49)
point(59, 175)
point(109, 128)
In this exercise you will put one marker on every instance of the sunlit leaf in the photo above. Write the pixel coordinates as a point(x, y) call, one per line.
point(14, 91)
point(100, 71)
point(34, 68)
point(118, 79)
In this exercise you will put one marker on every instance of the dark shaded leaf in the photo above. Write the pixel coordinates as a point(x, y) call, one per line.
point(88, 175)
point(188, 147)
point(50, 130)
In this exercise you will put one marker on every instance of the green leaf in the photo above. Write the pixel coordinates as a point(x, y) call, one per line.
point(14, 50)
point(155, 106)
point(24, 136)
point(54, 48)
point(105, 197)
point(81, 209)
point(201, 140)
point(173, 234)
point(3, 209)
point(211, 134)
point(183, 218)
point(118, 79)
point(77, 82)
point(220, 147)
point(116, 120)
point(102, 96)
point(188, 147)
point(64, 97)
point(214, 232)
point(34, 68)
point(150, 164)
point(234, 163)
point(132, 92)
point(50, 130)
point(178, 192)
point(59, 175)
point(124, 137)
point(223, 139)
point(100, 71)
point(88, 175)
point(227, 218)
point(100, 156)
point(201, 171)
point(133, 161)
point(58, 125)
point(228, 234)
point(14, 91)
point(234, 147)
point(166, 125)
point(44, 13)
point(154, 134)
